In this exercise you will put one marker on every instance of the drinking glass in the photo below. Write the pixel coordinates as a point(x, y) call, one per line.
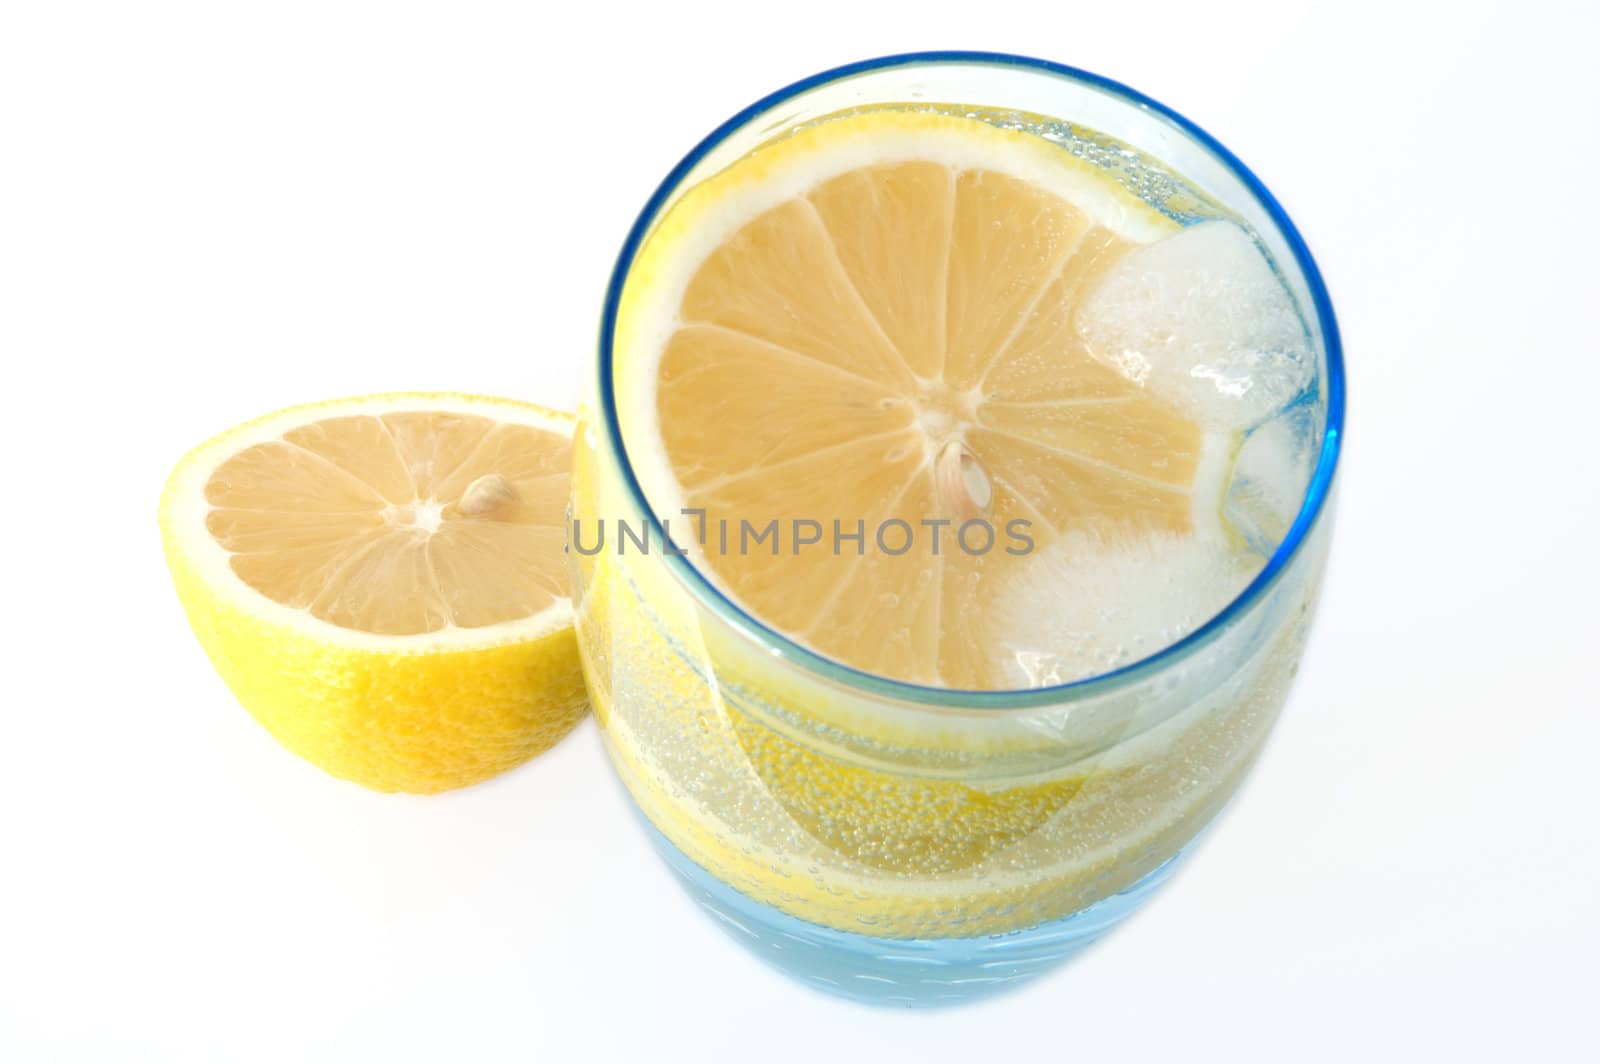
point(903, 844)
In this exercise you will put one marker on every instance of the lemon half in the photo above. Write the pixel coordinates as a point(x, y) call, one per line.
point(381, 582)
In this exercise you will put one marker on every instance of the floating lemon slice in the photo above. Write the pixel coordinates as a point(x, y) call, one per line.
point(870, 323)
point(381, 582)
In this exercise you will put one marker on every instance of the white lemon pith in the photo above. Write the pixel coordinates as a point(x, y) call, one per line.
point(381, 582)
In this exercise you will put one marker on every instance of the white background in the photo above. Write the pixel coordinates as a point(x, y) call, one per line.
point(211, 210)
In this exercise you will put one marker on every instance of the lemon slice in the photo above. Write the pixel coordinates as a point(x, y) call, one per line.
point(869, 325)
point(381, 582)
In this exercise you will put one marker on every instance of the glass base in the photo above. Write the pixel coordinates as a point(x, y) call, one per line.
point(910, 973)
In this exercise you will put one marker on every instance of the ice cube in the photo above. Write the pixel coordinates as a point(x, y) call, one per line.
point(1202, 321)
point(1087, 604)
point(1270, 476)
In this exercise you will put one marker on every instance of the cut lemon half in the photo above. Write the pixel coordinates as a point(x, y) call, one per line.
point(867, 326)
point(381, 582)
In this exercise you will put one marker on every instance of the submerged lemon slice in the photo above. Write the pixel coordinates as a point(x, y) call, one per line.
point(381, 582)
point(869, 325)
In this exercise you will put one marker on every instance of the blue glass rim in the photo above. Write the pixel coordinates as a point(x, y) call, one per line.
point(714, 599)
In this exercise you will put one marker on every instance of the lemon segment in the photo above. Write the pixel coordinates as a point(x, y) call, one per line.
point(381, 582)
